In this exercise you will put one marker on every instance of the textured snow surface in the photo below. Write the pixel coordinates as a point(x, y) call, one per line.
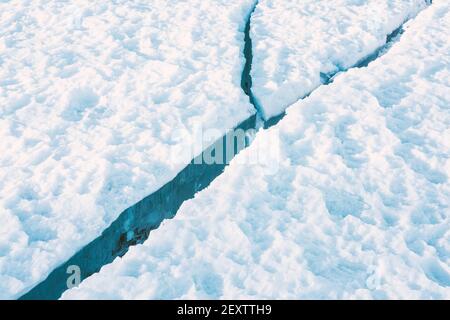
point(295, 41)
point(358, 208)
point(96, 100)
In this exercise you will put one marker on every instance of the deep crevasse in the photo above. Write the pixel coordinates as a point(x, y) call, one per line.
point(350, 202)
point(133, 225)
point(295, 42)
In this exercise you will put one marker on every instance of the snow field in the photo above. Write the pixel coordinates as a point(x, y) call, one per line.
point(297, 44)
point(358, 208)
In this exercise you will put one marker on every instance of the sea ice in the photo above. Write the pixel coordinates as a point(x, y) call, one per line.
point(297, 43)
point(99, 100)
point(358, 206)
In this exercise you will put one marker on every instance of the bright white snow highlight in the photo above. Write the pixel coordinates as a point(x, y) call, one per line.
point(295, 41)
point(96, 97)
point(359, 207)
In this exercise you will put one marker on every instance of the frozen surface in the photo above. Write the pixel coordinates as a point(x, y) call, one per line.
point(98, 101)
point(296, 41)
point(352, 202)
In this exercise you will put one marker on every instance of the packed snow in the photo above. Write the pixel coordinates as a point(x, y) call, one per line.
point(99, 101)
point(352, 202)
point(297, 41)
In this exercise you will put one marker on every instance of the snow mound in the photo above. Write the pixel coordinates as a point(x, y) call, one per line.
point(98, 101)
point(357, 205)
point(297, 44)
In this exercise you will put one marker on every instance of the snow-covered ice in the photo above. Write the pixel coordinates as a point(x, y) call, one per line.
point(97, 98)
point(296, 41)
point(358, 206)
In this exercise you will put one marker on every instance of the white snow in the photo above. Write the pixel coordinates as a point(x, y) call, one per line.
point(295, 41)
point(98, 101)
point(358, 206)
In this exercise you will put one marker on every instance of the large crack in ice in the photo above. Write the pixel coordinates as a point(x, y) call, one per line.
point(246, 79)
point(135, 224)
point(327, 79)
